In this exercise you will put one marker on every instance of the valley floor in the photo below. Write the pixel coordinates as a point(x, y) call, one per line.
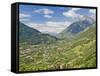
point(62, 54)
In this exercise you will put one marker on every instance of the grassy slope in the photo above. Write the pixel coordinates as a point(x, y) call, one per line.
point(62, 54)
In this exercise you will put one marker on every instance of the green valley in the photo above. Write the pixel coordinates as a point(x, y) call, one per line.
point(47, 52)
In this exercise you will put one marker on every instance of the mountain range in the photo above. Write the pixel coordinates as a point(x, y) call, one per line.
point(76, 27)
point(33, 36)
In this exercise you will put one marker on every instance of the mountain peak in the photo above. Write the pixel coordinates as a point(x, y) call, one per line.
point(77, 27)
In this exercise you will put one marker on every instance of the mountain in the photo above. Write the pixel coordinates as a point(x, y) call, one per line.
point(79, 53)
point(89, 33)
point(32, 36)
point(85, 47)
point(76, 27)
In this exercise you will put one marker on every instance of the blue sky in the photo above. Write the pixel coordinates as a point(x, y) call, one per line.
point(52, 19)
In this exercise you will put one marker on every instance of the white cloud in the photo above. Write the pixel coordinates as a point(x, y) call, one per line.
point(92, 11)
point(50, 26)
point(47, 16)
point(22, 15)
point(93, 14)
point(76, 9)
point(72, 14)
point(76, 16)
point(44, 11)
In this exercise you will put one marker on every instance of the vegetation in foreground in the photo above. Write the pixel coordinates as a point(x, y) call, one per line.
point(60, 54)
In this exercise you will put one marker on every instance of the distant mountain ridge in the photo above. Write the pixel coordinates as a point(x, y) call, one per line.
point(33, 36)
point(76, 27)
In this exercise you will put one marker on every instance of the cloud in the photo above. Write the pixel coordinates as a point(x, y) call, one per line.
point(93, 14)
point(72, 14)
point(44, 11)
point(75, 9)
point(92, 11)
point(47, 16)
point(50, 26)
point(22, 15)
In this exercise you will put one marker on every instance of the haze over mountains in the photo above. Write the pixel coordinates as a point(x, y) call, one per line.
point(33, 36)
point(29, 34)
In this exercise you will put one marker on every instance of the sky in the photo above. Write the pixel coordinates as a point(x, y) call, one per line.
point(50, 19)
